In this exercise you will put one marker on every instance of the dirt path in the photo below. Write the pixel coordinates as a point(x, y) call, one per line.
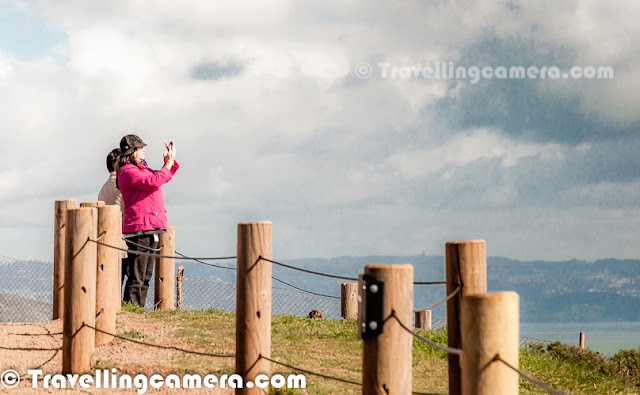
point(27, 346)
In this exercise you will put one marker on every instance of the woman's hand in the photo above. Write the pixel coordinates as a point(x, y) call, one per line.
point(169, 155)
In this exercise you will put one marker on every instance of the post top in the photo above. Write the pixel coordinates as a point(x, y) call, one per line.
point(83, 209)
point(474, 241)
point(494, 295)
point(387, 266)
point(254, 223)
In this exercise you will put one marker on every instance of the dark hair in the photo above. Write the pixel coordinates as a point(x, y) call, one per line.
point(120, 162)
point(111, 159)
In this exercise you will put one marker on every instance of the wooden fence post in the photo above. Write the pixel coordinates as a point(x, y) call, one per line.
point(78, 342)
point(179, 287)
point(349, 301)
point(59, 239)
point(253, 310)
point(164, 297)
point(490, 327)
point(581, 342)
point(386, 357)
point(423, 319)
point(107, 281)
point(466, 266)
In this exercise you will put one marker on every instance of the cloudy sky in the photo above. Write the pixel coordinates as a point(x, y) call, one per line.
point(274, 120)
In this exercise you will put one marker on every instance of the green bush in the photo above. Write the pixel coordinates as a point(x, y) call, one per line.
point(585, 359)
point(627, 365)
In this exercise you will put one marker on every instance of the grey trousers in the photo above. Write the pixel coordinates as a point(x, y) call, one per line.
point(139, 270)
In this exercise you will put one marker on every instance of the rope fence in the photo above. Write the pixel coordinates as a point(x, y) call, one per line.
point(202, 293)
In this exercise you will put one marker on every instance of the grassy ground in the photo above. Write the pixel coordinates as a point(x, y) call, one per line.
point(330, 347)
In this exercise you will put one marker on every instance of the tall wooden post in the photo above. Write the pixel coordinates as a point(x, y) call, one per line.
point(490, 327)
point(253, 310)
point(349, 301)
point(466, 266)
point(179, 287)
point(423, 319)
point(79, 291)
point(581, 341)
point(59, 239)
point(164, 297)
point(386, 357)
point(107, 281)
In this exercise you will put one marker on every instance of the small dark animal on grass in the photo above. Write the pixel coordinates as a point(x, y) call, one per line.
point(315, 314)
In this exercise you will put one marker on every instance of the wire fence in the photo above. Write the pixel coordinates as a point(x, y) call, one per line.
point(26, 294)
point(26, 290)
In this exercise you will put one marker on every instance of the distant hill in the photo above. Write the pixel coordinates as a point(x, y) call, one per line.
point(568, 291)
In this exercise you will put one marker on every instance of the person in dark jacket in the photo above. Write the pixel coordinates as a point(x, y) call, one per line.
point(144, 211)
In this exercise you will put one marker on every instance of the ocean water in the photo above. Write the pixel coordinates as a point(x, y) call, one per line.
point(604, 337)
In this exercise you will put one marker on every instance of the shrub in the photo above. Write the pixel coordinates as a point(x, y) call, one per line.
point(627, 365)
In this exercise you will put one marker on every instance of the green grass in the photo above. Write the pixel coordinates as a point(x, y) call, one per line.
point(132, 308)
point(331, 347)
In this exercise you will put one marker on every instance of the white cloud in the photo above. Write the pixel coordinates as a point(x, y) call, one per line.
point(480, 144)
point(5, 68)
point(294, 136)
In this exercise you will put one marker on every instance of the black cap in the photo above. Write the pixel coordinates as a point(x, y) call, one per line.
point(129, 143)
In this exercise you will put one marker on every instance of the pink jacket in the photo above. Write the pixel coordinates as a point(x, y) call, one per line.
point(142, 196)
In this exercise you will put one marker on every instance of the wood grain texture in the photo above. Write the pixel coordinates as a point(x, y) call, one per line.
point(108, 272)
point(490, 327)
point(349, 301)
point(179, 287)
point(59, 239)
point(466, 264)
point(164, 296)
point(253, 310)
point(80, 290)
point(423, 319)
point(386, 358)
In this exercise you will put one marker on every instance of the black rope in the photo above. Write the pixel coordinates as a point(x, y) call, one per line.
point(160, 256)
point(140, 245)
point(159, 346)
point(531, 379)
point(208, 264)
point(304, 290)
point(429, 282)
point(449, 350)
point(308, 271)
point(273, 277)
point(438, 303)
point(310, 372)
point(336, 276)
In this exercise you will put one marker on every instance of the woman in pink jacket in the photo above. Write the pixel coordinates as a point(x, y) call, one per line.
point(144, 212)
